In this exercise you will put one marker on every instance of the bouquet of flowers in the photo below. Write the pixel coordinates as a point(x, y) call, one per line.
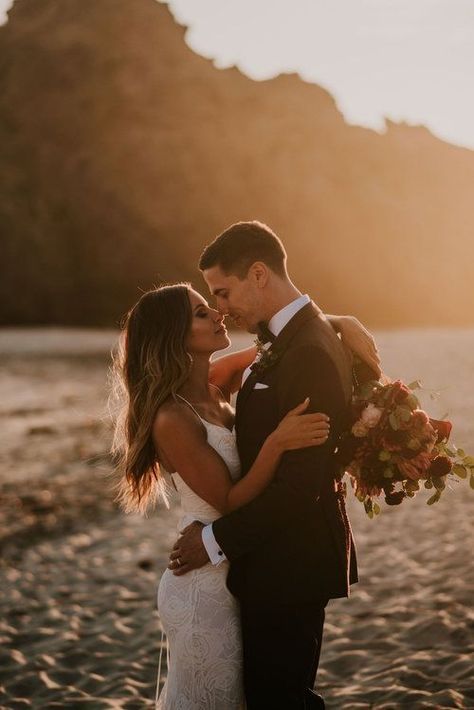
point(394, 447)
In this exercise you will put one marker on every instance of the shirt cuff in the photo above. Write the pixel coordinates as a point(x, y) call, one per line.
point(216, 555)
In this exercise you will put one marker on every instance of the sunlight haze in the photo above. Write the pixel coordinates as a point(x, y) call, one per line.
point(407, 61)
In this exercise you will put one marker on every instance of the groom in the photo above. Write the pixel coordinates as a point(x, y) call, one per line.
point(290, 549)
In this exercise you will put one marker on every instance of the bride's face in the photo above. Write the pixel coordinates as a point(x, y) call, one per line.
point(208, 332)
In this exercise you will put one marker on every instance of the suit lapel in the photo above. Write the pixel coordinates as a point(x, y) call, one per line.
point(279, 345)
point(244, 392)
point(305, 314)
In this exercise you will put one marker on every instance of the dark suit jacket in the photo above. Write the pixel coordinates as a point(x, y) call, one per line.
point(293, 543)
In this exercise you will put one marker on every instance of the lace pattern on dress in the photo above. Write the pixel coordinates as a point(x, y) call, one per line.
point(199, 615)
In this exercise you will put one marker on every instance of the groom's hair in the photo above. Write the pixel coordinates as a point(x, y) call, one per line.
point(241, 245)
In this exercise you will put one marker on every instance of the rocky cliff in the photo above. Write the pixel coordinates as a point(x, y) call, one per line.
point(123, 153)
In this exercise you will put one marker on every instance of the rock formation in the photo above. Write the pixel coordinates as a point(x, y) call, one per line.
point(123, 153)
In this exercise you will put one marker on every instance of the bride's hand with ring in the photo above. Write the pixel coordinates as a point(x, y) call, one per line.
point(299, 431)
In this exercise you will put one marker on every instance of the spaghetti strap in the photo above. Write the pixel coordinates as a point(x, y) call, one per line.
point(190, 405)
point(205, 422)
point(219, 390)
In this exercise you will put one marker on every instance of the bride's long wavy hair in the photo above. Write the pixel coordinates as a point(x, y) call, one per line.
point(151, 364)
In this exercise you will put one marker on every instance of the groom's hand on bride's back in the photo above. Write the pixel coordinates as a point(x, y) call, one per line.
point(188, 552)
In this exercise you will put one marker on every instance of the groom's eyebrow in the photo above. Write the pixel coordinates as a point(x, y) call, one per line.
point(217, 291)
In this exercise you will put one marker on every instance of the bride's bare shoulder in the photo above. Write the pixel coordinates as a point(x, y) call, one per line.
point(173, 415)
point(176, 430)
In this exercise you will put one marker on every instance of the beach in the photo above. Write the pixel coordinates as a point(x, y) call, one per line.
point(79, 626)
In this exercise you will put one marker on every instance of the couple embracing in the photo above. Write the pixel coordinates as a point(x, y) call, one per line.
point(264, 540)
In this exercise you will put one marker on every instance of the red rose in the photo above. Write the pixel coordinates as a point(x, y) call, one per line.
point(402, 394)
point(440, 466)
point(442, 428)
point(419, 418)
point(399, 392)
point(394, 440)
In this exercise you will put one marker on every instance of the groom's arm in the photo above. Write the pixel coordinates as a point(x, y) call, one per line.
point(301, 475)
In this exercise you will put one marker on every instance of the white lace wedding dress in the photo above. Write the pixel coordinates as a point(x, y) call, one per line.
point(200, 616)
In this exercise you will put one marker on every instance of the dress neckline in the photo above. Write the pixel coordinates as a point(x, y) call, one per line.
point(219, 426)
point(205, 421)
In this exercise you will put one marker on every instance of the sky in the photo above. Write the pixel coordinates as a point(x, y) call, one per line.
point(5, 5)
point(407, 60)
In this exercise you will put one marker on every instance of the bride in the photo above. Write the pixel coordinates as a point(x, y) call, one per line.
point(177, 423)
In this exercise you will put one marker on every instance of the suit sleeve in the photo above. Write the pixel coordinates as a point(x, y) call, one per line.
point(307, 371)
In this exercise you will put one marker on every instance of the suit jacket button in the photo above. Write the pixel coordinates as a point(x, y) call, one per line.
point(220, 552)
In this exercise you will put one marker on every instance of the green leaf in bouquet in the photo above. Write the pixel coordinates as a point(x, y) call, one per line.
point(461, 453)
point(460, 471)
point(394, 422)
point(413, 444)
point(366, 390)
point(471, 481)
point(385, 455)
point(439, 483)
point(376, 509)
point(415, 385)
point(413, 486)
point(388, 473)
point(412, 401)
point(403, 413)
point(468, 461)
point(428, 484)
point(450, 451)
point(434, 498)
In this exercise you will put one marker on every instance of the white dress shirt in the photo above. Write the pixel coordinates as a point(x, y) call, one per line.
point(275, 325)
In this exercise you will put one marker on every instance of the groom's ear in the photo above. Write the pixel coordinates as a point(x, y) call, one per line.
point(259, 273)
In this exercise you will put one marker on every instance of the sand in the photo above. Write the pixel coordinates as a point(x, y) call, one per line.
point(79, 578)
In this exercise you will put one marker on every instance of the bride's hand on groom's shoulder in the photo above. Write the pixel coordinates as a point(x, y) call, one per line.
point(298, 430)
point(360, 341)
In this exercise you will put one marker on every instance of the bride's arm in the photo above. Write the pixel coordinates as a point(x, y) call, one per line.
point(179, 437)
point(358, 339)
point(226, 371)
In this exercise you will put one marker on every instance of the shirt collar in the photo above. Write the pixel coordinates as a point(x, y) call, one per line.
point(283, 316)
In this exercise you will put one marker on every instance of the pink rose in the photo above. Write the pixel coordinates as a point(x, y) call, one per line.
point(370, 417)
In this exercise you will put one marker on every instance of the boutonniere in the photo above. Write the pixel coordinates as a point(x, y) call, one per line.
point(265, 358)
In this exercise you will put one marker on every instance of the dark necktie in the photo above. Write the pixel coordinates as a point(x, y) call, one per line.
point(264, 333)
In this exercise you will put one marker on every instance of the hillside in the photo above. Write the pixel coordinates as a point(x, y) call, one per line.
point(123, 153)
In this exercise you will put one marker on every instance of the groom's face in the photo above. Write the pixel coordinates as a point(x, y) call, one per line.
point(240, 299)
